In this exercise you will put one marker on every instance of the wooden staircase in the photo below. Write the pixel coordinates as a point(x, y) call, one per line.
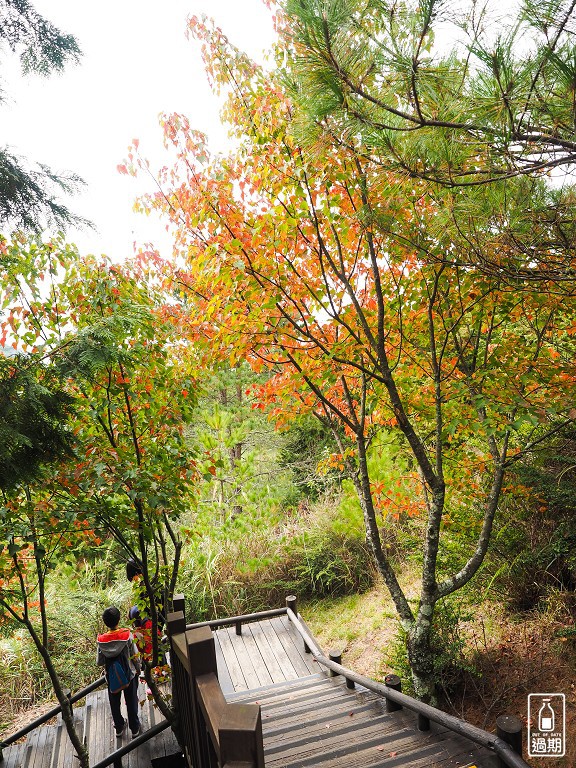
point(250, 694)
point(49, 746)
point(318, 722)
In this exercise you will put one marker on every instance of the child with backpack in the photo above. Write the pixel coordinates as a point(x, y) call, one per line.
point(142, 632)
point(117, 652)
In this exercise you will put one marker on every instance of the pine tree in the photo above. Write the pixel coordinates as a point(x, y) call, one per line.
point(28, 195)
point(456, 95)
point(33, 413)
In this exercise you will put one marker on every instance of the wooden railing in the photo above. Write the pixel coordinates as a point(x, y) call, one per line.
point(506, 744)
point(214, 733)
point(114, 758)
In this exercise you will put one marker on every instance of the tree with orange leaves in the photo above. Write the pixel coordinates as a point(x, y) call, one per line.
point(335, 279)
point(130, 473)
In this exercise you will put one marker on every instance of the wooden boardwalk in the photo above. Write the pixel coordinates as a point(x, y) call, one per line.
point(308, 718)
point(266, 652)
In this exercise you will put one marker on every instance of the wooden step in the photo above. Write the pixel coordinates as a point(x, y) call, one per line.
point(317, 722)
point(50, 747)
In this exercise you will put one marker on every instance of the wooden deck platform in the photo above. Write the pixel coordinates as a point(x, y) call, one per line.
point(308, 718)
point(266, 652)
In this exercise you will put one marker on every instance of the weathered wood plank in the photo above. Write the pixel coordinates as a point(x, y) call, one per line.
point(298, 644)
point(55, 748)
point(300, 660)
point(312, 695)
point(367, 746)
point(277, 673)
point(275, 727)
point(295, 687)
point(223, 674)
point(282, 657)
point(249, 654)
point(63, 745)
point(232, 663)
point(103, 740)
point(246, 661)
point(48, 747)
point(87, 730)
point(37, 744)
point(14, 756)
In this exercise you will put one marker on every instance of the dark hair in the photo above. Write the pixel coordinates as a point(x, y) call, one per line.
point(133, 568)
point(111, 617)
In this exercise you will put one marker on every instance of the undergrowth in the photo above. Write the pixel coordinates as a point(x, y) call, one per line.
point(76, 596)
point(234, 570)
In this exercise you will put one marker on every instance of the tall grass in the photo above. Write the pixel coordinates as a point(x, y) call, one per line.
point(249, 569)
point(76, 596)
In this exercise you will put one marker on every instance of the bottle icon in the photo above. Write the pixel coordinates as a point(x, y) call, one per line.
point(546, 717)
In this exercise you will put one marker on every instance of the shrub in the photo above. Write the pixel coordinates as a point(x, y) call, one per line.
point(449, 644)
point(308, 555)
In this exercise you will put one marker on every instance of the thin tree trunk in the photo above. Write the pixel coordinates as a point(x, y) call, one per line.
point(420, 655)
point(67, 713)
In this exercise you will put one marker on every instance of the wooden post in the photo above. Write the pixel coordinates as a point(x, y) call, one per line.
point(240, 735)
point(292, 603)
point(394, 682)
point(509, 729)
point(201, 653)
point(423, 723)
point(178, 604)
point(175, 624)
point(182, 687)
point(336, 657)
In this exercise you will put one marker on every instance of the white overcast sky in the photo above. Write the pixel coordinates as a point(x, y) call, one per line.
point(137, 63)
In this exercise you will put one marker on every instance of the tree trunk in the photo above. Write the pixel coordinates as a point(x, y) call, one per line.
point(67, 713)
point(361, 480)
point(421, 658)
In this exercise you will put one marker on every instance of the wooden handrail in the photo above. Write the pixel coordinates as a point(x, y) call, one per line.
point(477, 735)
point(179, 646)
point(235, 729)
point(244, 619)
point(237, 764)
point(51, 713)
point(213, 704)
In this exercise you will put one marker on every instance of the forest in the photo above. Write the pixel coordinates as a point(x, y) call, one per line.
point(351, 380)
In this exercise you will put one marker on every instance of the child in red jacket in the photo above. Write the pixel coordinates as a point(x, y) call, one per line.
point(117, 645)
point(142, 632)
